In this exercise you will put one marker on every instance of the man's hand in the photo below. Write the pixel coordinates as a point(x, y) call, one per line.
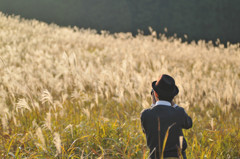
point(174, 105)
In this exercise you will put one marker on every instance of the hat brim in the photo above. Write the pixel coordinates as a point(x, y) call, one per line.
point(159, 91)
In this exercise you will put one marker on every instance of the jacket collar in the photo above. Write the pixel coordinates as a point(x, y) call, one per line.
point(163, 102)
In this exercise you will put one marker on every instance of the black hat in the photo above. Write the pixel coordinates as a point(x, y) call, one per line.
point(165, 86)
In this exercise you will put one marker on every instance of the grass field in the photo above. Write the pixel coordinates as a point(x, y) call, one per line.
point(68, 92)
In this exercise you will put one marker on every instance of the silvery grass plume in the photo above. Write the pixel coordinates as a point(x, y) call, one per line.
point(46, 97)
point(36, 105)
point(40, 136)
point(86, 112)
point(47, 123)
point(16, 121)
point(180, 147)
point(22, 105)
point(57, 143)
point(4, 123)
point(70, 126)
point(181, 141)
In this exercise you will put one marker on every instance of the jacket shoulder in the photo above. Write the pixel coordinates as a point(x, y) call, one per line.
point(145, 112)
point(181, 109)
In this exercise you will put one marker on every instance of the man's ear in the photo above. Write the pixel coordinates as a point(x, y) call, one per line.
point(155, 93)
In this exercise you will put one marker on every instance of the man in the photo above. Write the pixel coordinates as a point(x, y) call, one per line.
point(164, 115)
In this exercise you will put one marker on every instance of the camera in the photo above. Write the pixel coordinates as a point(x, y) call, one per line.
point(152, 91)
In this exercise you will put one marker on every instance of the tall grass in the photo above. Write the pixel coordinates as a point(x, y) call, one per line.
point(73, 93)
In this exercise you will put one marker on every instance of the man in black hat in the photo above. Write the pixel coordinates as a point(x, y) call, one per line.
point(162, 115)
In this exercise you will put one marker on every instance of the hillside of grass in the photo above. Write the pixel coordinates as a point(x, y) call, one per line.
point(73, 93)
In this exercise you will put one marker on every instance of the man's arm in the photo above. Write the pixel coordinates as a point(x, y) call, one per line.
point(187, 121)
point(143, 115)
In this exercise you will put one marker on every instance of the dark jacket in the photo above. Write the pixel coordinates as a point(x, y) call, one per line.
point(168, 116)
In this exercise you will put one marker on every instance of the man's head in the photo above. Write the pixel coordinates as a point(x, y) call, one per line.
point(165, 88)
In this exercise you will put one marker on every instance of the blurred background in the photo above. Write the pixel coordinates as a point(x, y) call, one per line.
point(198, 19)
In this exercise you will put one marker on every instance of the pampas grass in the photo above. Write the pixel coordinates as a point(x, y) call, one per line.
point(40, 136)
point(57, 143)
point(70, 92)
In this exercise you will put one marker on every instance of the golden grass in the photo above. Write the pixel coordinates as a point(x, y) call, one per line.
point(72, 93)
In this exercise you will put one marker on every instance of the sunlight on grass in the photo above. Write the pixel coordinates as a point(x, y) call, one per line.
point(73, 93)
